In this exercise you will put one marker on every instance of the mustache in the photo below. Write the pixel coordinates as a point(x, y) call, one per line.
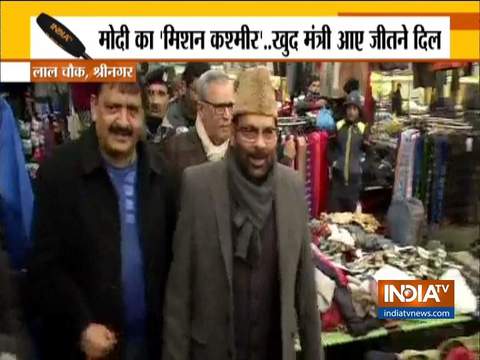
point(120, 130)
point(155, 107)
point(259, 154)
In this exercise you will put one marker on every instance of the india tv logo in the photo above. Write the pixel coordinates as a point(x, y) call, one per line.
point(416, 299)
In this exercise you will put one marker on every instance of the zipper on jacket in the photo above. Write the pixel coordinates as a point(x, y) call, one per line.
point(346, 165)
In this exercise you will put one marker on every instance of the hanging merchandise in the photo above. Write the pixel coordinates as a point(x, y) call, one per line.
point(462, 184)
point(48, 120)
point(448, 65)
point(310, 160)
point(421, 171)
point(80, 100)
point(438, 182)
point(405, 164)
point(318, 148)
point(423, 75)
point(16, 196)
point(301, 158)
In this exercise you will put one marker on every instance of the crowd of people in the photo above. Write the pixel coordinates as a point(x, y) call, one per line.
point(171, 229)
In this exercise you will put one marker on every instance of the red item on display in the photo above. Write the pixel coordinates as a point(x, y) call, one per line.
point(342, 276)
point(318, 143)
point(301, 159)
point(448, 65)
point(286, 109)
point(320, 233)
point(460, 353)
point(39, 155)
point(81, 95)
point(332, 319)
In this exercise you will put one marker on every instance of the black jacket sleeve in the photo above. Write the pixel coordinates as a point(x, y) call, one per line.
point(332, 148)
point(55, 293)
point(178, 299)
point(13, 333)
point(306, 298)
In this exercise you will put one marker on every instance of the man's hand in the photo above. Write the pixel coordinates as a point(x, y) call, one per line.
point(289, 149)
point(97, 341)
point(321, 103)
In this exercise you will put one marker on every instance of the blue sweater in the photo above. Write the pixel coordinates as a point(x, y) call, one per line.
point(133, 280)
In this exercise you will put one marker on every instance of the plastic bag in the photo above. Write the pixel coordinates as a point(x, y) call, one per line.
point(325, 120)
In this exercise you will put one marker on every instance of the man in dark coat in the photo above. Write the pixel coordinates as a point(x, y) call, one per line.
point(102, 237)
point(182, 113)
point(313, 100)
point(158, 91)
point(208, 140)
point(241, 284)
point(14, 339)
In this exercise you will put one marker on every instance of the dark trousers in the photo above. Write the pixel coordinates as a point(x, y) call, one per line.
point(344, 196)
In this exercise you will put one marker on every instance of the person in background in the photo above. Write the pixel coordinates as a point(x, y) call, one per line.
point(158, 91)
point(208, 140)
point(102, 234)
point(313, 100)
point(142, 71)
point(345, 151)
point(178, 88)
point(182, 113)
point(397, 101)
point(241, 281)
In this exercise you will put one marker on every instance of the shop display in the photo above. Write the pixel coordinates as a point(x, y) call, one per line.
point(354, 257)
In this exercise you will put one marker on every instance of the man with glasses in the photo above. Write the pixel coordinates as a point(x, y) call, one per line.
point(208, 140)
point(241, 283)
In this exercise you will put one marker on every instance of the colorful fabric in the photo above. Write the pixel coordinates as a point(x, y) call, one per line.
point(461, 353)
point(318, 171)
point(417, 173)
point(440, 172)
point(411, 165)
point(405, 164)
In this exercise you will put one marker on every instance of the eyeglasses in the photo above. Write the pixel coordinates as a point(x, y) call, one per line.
point(251, 133)
point(220, 108)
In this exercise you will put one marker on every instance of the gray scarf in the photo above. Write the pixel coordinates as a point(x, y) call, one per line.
point(251, 206)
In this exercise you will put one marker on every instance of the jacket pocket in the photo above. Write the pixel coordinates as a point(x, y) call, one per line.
point(293, 321)
point(199, 334)
point(198, 345)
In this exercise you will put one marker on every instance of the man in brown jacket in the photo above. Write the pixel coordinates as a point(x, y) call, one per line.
point(208, 141)
point(241, 284)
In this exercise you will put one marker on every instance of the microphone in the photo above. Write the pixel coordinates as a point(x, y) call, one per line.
point(62, 36)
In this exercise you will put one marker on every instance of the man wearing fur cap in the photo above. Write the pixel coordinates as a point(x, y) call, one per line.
point(241, 285)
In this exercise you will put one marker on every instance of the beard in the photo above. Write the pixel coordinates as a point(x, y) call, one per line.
point(156, 110)
point(256, 165)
